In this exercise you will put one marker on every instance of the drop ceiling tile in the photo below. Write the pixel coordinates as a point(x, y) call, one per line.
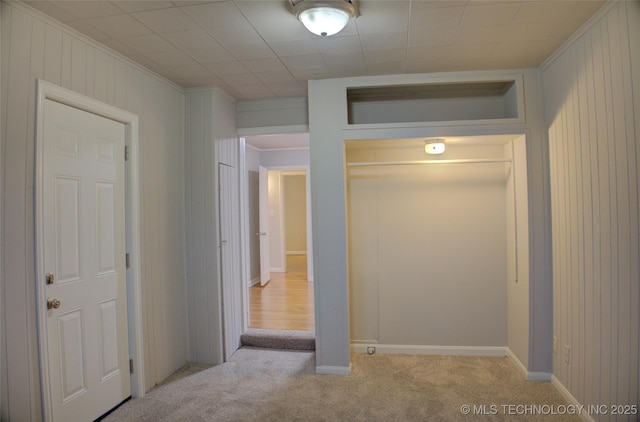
point(385, 68)
point(294, 48)
point(268, 77)
point(480, 34)
point(556, 11)
point(50, 9)
point(430, 67)
point(461, 64)
point(204, 81)
point(144, 61)
point(211, 54)
point(303, 62)
point(171, 58)
point(481, 14)
point(471, 51)
point(417, 56)
point(538, 31)
point(227, 68)
point(428, 36)
point(288, 89)
point(346, 71)
point(190, 71)
point(273, 20)
point(344, 60)
point(440, 17)
point(145, 44)
point(419, 6)
point(191, 39)
point(240, 79)
point(163, 21)
point(391, 55)
point(250, 51)
point(211, 15)
point(88, 30)
point(338, 45)
point(132, 6)
point(89, 9)
point(257, 90)
point(529, 53)
point(120, 26)
point(318, 72)
point(383, 41)
point(264, 65)
point(377, 17)
point(234, 35)
point(120, 47)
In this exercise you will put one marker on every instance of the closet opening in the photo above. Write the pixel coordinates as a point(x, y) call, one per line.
point(438, 246)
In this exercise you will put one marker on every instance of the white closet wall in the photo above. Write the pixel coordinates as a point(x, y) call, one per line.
point(428, 249)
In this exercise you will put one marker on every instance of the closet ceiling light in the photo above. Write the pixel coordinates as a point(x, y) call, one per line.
point(324, 18)
point(434, 146)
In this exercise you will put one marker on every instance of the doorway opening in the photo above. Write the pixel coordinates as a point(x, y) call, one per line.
point(277, 239)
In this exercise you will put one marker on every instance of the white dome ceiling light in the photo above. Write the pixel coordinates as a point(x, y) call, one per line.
point(324, 18)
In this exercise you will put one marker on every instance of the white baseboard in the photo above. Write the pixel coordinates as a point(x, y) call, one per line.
point(276, 270)
point(530, 376)
point(296, 252)
point(584, 416)
point(333, 370)
point(254, 281)
point(361, 347)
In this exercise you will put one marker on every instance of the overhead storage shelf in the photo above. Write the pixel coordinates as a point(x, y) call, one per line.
point(435, 102)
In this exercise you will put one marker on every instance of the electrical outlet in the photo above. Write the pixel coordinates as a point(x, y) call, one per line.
point(567, 353)
point(555, 345)
point(371, 350)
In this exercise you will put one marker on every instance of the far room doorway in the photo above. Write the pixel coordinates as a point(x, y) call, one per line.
point(278, 259)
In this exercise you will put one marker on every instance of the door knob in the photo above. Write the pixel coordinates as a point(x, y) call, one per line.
point(53, 303)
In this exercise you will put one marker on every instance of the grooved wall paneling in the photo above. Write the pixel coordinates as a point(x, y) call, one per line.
point(592, 121)
point(35, 47)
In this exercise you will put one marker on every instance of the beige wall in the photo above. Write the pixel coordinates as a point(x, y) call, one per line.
point(35, 47)
point(592, 99)
point(295, 213)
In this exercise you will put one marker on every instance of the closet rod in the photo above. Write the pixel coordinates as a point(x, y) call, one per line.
point(458, 161)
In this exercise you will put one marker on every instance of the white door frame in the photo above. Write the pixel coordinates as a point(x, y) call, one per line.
point(52, 92)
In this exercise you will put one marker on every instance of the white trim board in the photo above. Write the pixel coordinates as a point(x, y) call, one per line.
point(431, 350)
point(570, 399)
point(530, 376)
point(53, 92)
point(333, 370)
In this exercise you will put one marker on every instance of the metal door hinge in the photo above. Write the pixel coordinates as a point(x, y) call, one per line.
point(50, 278)
point(126, 153)
point(127, 260)
point(131, 366)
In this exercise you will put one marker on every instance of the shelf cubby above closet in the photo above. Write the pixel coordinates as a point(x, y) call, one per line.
point(438, 103)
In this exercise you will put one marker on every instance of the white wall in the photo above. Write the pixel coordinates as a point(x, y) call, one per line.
point(518, 254)
point(35, 47)
point(272, 113)
point(297, 157)
point(211, 139)
point(592, 99)
point(328, 129)
point(428, 249)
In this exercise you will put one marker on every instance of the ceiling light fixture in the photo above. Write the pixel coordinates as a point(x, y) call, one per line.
point(324, 18)
point(434, 146)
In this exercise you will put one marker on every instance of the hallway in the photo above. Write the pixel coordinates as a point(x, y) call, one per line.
point(286, 301)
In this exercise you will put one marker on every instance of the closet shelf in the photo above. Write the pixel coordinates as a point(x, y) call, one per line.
point(418, 162)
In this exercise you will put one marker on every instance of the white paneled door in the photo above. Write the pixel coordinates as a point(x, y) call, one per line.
point(84, 260)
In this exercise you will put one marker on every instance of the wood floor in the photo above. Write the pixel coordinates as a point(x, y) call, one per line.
point(286, 301)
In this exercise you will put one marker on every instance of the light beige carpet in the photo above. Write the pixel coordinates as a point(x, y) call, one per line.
point(273, 385)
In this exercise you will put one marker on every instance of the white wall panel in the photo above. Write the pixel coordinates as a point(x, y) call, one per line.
point(36, 47)
point(592, 121)
point(211, 139)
